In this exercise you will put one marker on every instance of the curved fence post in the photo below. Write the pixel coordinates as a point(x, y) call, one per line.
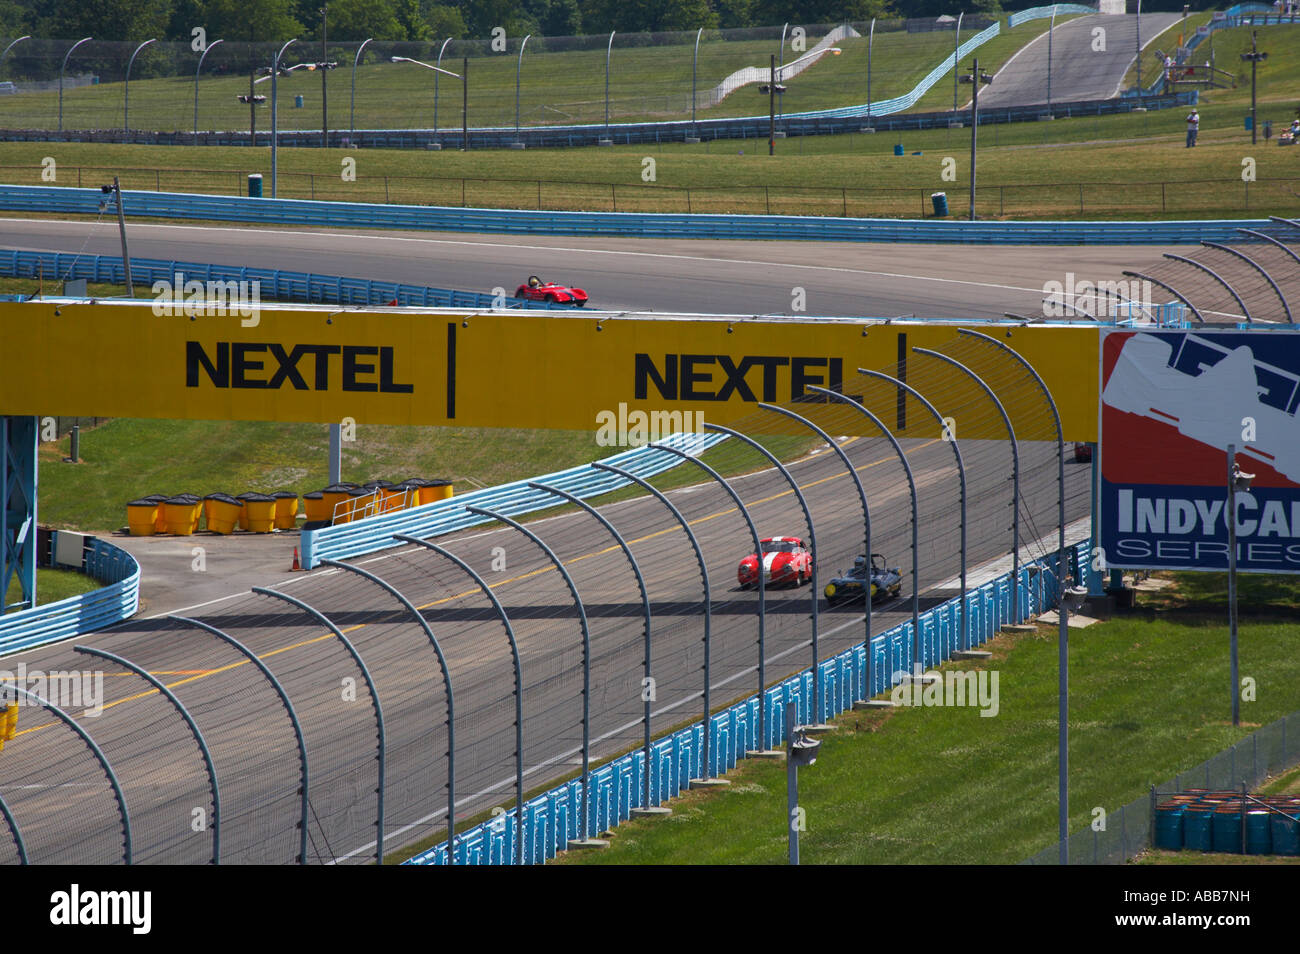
point(961, 474)
point(519, 679)
point(194, 730)
point(762, 587)
point(14, 830)
point(1015, 474)
point(1286, 309)
point(1200, 266)
point(862, 498)
point(646, 692)
point(374, 700)
point(812, 539)
point(288, 707)
point(1063, 640)
point(586, 653)
point(1169, 288)
point(911, 486)
point(708, 596)
point(446, 681)
point(99, 756)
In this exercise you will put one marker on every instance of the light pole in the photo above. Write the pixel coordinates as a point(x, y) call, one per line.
point(800, 751)
point(126, 105)
point(781, 49)
point(352, 116)
point(608, 51)
point(695, 66)
point(10, 47)
point(436, 76)
point(871, 39)
point(275, 122)
point(1051, 29)
point(1237, 480)
point(974, 78)
point(519, 66)
point(956, 50)
point(324, 75)
point(1138, 60)
point(437, 70)
point(66, 57)
point(771, 89)
point(203, 56)
point(1253, 57)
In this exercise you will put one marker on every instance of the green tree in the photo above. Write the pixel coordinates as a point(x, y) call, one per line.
point(357, 19)
point(265, 20)
point(111, 19)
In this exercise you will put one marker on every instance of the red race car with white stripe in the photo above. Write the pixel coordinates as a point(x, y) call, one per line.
point(785, 560)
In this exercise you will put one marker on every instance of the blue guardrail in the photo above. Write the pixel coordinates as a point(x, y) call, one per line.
point(355, 215)
point(275, 283)
point(551, 819)
point(111, 604)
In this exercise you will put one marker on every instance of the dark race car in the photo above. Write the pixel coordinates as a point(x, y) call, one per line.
point(884, 582)
point(537, 290)
point(785, 560)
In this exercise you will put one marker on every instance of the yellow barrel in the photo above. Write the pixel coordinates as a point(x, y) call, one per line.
point(432, 490)
point(182, 514)
point(259, 512)
point(286, 510)
point(314, 505)
point(223, 512)
point(160, 524)
point(334, 495)
point(142, 517)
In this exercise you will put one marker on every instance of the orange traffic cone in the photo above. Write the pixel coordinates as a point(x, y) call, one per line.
point(296, 564)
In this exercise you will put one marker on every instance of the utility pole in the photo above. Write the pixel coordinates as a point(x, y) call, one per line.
point(772, 88)
point(975, 78)
point(324, 92)
point(121, 229)
point(252, 105)
point(464, 104)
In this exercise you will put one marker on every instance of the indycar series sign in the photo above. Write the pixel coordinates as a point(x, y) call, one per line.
point(1171, 404)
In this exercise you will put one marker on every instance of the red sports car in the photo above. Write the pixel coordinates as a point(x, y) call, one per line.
point(785, 560)
point(537, 290)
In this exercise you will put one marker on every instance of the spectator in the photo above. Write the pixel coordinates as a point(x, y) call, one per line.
point(1193, 125)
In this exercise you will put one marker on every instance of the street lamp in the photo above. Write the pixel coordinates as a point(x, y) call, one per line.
point(436, 76)
point(1254, 57)
point(518, 70)
point(775, 87)
point(10, 47)
point(61, 69)
point(202, 57)
point(1237, 480)
point(126, 106)
point(975, 78)
point(463, 76)
point(352, 116)
point(275, 118)
point(801, 750)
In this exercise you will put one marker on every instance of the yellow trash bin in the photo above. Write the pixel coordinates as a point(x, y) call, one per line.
point(435, 490)
point(142, 517)
point(314, 506)
point(259, 512)
point(182, 513)
point(223, 512)
point(334, 495)
point(286, 510)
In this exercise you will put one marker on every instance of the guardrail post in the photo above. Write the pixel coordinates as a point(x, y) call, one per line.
point(374, 702)
point(446, 681)
point(96, 751)
point(288, 706)
point(519, 679)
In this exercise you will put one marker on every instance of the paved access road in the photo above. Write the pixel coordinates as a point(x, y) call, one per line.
point(692, 276)
point(1085, 64)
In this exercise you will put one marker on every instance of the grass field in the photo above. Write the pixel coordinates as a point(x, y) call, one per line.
point(647, 83)
point(55, 585)
point(943, 785)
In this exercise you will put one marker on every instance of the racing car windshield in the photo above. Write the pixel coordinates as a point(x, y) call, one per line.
point(778, 546)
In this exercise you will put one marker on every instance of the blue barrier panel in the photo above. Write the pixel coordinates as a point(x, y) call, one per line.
point(1038, 13)
point(675, 760)
point(649, 225)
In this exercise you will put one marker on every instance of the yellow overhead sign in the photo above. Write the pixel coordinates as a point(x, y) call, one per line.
point(516, 369)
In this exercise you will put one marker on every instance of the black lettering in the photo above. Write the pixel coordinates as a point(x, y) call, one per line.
point(386, 382)
point(196, 357)
point(735, 379)
point(322, 353)
point(241, 364)
point(645, 372)
point(769, 366)
point(690, 376)
point(352, 367)
point(800, 378)
point(288, 367)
